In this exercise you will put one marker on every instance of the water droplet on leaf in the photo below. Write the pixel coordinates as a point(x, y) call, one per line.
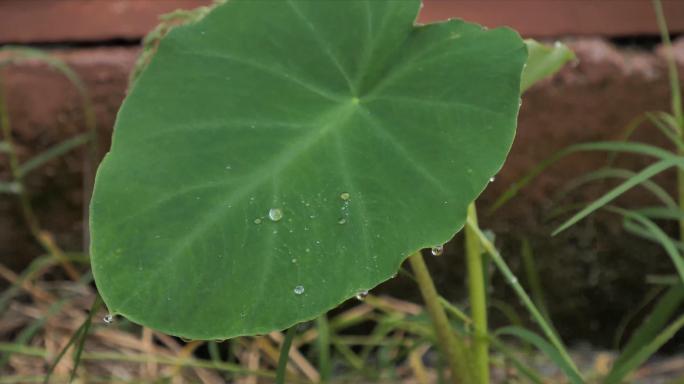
point(257, 221)
point(438, 250)
point(108, 319)
point(345, 196)
point(361, 295)
point(275, 214)
point(298, 290)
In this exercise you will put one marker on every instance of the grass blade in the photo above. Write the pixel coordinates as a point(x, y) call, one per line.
point(668, 244)
point(627, 319)
point(532, 274)
point(520, 292)
point(53, 152)
point(639, 230)
point(61, 353)
point(608, 146)
point(676, 93)
point(659, 212)
point(666, 306)
point(620, 371)
point(664, 123)
point(645, 174)
point(526, 371)
point(545, 347)
point(617, 173)
point(83, 336)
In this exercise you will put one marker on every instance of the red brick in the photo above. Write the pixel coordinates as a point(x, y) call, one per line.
point(27, 21)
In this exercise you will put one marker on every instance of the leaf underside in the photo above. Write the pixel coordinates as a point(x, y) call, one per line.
point(369, 134)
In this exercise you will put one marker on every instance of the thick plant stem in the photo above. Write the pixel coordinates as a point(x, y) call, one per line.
point(285, 355)
point(323, 347)
point(478, 300)
point(522, 295)
point(675, 99)
point(452, 347)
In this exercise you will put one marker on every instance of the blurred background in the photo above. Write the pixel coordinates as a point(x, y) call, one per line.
point(592, 275)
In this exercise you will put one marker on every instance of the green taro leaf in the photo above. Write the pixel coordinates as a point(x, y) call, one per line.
point(544, 61)
point(278, 157)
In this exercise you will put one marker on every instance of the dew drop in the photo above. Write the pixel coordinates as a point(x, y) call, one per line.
point(228, 167)
point(307, 250)
point(294, 261)
point(345, 196)
point(513, 280)
point(275, 214)
point(257, 221)
point(438, 250)
point(491, 179)
point(298, 290)
point(108, 319)
point(342, 221)
point(361, 295)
